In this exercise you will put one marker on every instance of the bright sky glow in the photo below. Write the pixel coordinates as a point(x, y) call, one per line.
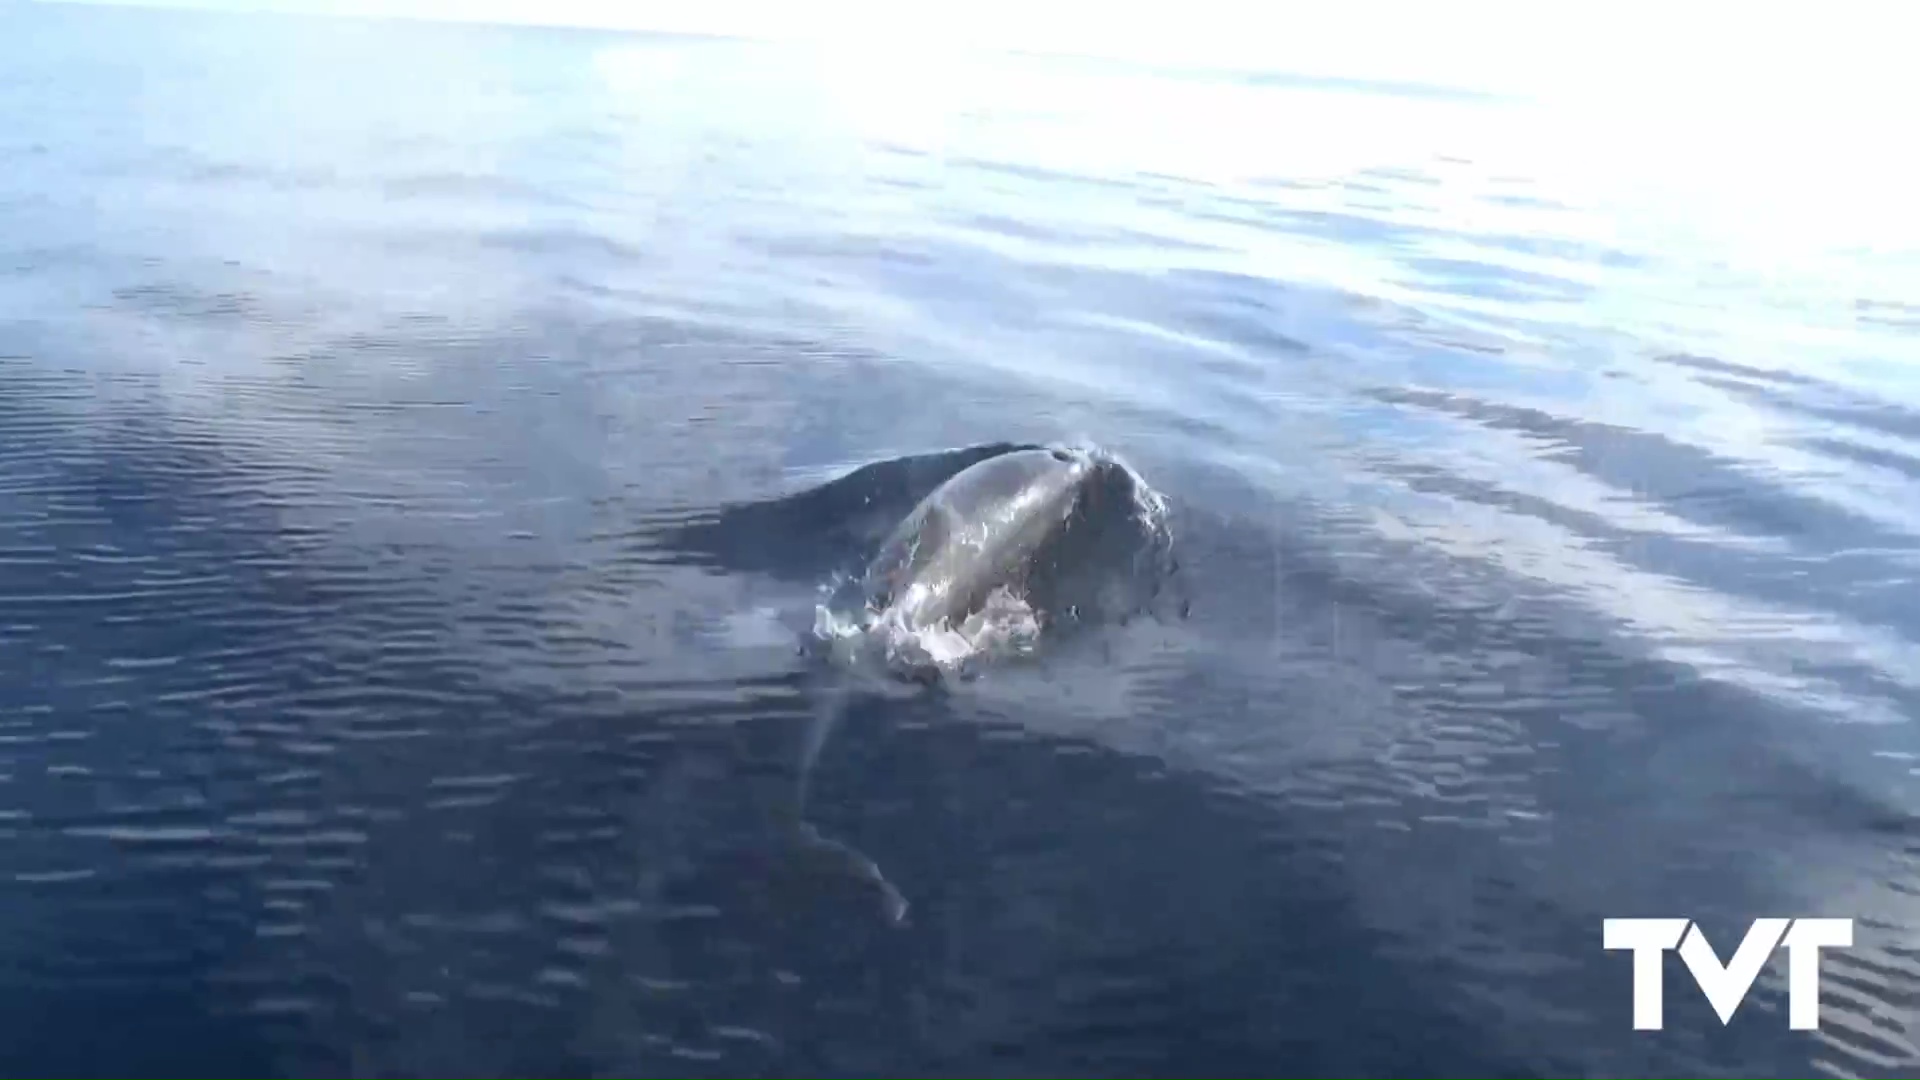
point(1769, 135)
point(1635, 47)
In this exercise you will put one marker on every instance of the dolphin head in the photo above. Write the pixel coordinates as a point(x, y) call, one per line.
point(1002, 551)
point(978, 532)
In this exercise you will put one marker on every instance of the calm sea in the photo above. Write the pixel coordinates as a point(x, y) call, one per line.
point(412, 441)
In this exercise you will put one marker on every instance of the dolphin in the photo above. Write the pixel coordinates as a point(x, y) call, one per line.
point(983, 530)
point(980, 531)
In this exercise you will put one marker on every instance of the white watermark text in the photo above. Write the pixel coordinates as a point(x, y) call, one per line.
point(1726, 984)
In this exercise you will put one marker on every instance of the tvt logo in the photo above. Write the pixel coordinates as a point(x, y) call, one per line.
point(1726, 985)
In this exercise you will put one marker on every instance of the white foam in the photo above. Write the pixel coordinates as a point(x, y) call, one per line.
point(1004, 625)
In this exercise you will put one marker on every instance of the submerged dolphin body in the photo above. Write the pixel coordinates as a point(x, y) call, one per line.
point(984, 530)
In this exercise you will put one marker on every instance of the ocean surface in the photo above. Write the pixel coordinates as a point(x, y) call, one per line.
point(415, 438)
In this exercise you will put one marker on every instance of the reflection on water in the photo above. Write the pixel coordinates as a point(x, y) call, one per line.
point(406, 432)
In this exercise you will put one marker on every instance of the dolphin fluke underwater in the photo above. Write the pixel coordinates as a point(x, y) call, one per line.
point(980, 564)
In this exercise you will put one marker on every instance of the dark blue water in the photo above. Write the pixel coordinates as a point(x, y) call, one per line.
point(411, 435)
